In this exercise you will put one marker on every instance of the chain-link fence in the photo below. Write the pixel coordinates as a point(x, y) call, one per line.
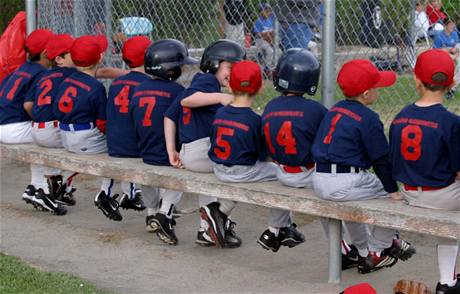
point(390, 33)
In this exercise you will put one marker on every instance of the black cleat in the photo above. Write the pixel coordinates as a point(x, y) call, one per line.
point(165, 229)
point(373, 263)
point(401, 249)
point(203, 239)
point(444, 289)
point(108, 206)
point(231, 239)
point(67, 198)
point(351, 259)
point(290, 236)
point(136, 203)
point(269, 241)
point(29, 195)
point(48, 203)
point(150, 225)
point(216, 221)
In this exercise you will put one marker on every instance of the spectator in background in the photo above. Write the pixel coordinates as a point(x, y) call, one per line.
point(232, 20)
point(422, 24)
point(436, 16)
point(264, 33)
point(297, 19)
point(449, 40)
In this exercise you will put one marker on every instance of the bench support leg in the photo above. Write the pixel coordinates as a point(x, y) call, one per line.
point(335, 254)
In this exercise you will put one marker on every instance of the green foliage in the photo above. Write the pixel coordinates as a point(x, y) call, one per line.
point(18, 277)
point(8, 9)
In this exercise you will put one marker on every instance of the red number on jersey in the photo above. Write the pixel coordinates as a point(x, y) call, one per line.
point(334, 121)
point(225, 145)
point(186, 115)
point(46, 87)
point(13, 90)
point(150, 102)
point(66, 103)
point(286, 139)
point(268, 139)
point(122, 100)
point(411, 142)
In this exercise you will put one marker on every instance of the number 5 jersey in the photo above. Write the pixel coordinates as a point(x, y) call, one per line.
point(425, 146)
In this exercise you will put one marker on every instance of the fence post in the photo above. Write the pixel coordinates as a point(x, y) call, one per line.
point(108, 32)
point(31, 12)
point(328, 54)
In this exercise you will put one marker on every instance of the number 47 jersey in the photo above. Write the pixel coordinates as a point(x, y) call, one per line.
point(425, 146)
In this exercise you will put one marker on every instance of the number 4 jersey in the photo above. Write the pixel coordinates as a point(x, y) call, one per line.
point(425, 146)
point(121, 138)
point(289, 126)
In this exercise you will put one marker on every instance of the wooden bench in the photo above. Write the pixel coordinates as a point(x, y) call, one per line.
point(385, 213)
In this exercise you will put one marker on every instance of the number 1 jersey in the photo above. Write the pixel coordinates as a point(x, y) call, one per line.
point(425, 146)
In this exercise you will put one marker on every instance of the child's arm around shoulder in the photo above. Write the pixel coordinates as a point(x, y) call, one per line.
point(110, 72)
point(200, 99)
point(170, 138)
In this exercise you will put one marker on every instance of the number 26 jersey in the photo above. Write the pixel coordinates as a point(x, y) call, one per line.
point(425, 146)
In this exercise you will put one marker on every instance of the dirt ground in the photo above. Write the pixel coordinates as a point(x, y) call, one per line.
point(123, 257)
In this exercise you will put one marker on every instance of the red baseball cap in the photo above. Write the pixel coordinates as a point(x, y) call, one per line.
point(246, 77)
point(363, 288)
point(87, 50)
point(432, 62)
point(58, 45)
point(357, 76)
point(37, 40)
point(134, 50)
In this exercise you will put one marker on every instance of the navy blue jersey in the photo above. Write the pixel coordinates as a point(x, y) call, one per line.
point(121, 137)
point(236, 137)
point(195, 123)
point(350, 134)
point(150, 101)
point(14, 91)
point(45, 92)
point(80, 99)
point(289, 125)
point(425, 146)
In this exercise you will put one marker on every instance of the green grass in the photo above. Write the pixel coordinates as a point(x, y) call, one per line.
point(18, 277)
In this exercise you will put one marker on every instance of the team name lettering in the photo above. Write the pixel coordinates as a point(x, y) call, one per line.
point(283, 113)
point(347, 112)
point(23, 74)
point(153, 93)
point(231, 123)
point(125, 82)
point(51, 76)
point(414, 121)
point(79, 84)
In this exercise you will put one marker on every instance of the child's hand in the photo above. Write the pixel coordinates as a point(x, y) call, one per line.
point(174, 159)
point(226, 99)
point(396, 196)
point(454, 53)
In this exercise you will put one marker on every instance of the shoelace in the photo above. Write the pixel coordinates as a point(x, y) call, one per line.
point(230, 225)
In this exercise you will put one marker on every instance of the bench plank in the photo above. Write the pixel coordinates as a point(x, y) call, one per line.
point(385, 213)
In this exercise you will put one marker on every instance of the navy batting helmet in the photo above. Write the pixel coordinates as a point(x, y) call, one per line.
point(221, 50)
point(164, 58)
point(297, 71)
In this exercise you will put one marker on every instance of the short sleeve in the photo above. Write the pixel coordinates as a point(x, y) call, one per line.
point(173, 111)
point(374, 139)
point(454, 145)
point(258, 28)
point(100, 103)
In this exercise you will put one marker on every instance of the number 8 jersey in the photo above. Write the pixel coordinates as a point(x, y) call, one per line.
point(425, 146)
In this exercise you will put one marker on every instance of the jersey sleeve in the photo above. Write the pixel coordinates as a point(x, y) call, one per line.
point(100, 103)
point(437, 42)
point(454, 146)
point(258, 28)
point(374, 139)
point(173, 110)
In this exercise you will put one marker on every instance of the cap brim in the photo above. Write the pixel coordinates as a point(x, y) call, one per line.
point(387, 79)
point(190, 60)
